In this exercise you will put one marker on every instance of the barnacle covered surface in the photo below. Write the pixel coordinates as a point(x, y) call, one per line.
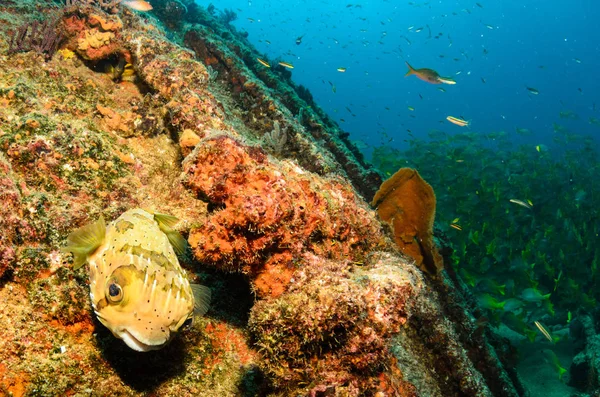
point(336, 310)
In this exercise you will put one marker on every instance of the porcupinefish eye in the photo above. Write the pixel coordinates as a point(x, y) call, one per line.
point(187, 323)
point(114, 292)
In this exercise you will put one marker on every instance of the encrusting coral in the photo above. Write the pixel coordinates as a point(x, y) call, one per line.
point(407, 203)
point(269, 213)
point(92, 35)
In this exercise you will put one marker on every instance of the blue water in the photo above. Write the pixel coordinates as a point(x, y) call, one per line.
point(551, 46)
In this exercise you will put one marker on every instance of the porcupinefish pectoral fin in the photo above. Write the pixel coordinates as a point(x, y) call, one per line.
point(177, 241)
point(84, 241)
point(166, 224)
point(165, 220)
point(201, 299)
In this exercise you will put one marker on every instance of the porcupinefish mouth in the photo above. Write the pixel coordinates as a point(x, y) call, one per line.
point(133, 342)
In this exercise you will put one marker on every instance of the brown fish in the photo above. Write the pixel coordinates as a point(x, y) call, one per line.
point(428, 75)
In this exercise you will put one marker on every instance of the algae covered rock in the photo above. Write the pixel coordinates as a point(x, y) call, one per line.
point(334, 327)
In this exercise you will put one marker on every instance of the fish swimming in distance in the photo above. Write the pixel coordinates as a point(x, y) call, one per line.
point(428, 75)
point(137, 287)
point(286, 65)
point(533, 295)
point(138, 5)
point(527, 204)
point(458, 122)
point(533, 90)
point(553, 360)
point(544, 331)
point(263, 62)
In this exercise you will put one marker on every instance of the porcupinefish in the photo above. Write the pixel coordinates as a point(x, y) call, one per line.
point(137, 287)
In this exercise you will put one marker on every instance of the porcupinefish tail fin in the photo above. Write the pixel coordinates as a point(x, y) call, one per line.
point(201, 299)
point(84, 241)
point(166, 223)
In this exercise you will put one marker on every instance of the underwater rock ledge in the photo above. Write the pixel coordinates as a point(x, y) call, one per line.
point(311, 297)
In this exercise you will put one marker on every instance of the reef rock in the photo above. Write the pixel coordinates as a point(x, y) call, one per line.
point(267, 214)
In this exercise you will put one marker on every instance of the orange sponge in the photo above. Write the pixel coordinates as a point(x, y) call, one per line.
point(407, 203)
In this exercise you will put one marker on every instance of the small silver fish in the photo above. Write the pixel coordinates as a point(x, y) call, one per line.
point(544, 331)
point(137, 287)
point(527, 204)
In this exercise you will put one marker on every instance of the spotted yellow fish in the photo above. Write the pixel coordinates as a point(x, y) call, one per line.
point(137, 287)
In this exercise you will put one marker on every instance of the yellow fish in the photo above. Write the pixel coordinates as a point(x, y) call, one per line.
point(286, 65)
point(137, 287)
point(457, 121)
point(263, 62)
point(341, 70)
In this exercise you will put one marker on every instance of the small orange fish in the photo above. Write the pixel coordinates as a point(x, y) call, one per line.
point(138, 5)
point(428, 75)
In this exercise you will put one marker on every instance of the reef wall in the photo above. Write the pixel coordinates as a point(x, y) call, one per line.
point(310, 294)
